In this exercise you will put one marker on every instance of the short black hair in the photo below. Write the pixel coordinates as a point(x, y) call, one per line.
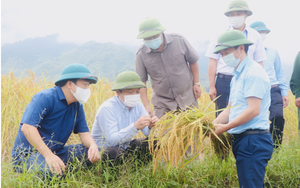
point(245, 49)
point(64, 82)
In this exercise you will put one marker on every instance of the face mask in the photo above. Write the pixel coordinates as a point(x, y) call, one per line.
point(237, 21)
point(81, 95)
point(131, 100)
point(153, 44)
point(263, 36)
point(230, 60)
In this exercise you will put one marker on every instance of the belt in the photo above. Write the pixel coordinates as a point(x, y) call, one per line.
point(250, 132)
point(220, 75)
point(276, 85)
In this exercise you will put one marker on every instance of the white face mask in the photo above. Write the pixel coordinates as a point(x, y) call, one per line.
point(131, 100)
point(230, 60)
point(237, 21)
point(81, 95)
point(263, 36)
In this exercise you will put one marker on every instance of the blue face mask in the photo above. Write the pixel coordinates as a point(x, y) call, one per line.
point(153, 44)
point(230, 60)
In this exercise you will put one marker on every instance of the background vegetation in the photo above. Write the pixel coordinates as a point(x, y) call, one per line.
point(206, 171)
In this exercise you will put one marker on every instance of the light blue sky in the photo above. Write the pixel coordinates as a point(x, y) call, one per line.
point(117, 21)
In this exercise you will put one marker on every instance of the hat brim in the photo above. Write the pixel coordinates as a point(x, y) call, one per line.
point(237, 9)
point(263, 29)
point(233, 43)
point(127, 85)
point(85, 76)
point(151, 33)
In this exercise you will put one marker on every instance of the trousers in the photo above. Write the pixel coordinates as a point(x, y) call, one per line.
point(223, 92)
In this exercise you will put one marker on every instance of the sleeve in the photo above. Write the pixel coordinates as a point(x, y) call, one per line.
point(191, 54)
point(211, 48)
point(140, 68)
point(109, 124)
point(143, 112)
point(295, 79)
point(260, 54)
point(256, 86)
point(36, 110)
point(81, 125)
point(280, 76)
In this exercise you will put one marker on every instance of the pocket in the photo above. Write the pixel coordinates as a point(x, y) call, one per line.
point(177, 63)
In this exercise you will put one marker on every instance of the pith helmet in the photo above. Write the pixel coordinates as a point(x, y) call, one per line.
point(150, 27)
point(259, 26)
point(238, 5)
point(128, 80)
point(76, 71)
point(231, 38)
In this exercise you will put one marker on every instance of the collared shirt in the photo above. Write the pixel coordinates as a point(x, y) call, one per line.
point(249, 80)
point(114, 123)
point(256, 50)
point(54, 119)
point(295, 79)
point(171, 76)
point(275, 71)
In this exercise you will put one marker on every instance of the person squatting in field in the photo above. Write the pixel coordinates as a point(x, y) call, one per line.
point(120, 118)
point(48, 121)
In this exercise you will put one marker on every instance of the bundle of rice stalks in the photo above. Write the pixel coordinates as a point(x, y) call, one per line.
point(178, 131)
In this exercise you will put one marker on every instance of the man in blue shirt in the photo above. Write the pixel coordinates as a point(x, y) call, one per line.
point(48, 121)
point(120, 118)
point(279, 87)
point(247, 120)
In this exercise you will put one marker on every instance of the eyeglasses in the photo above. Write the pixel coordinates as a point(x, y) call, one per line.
point(152, 37)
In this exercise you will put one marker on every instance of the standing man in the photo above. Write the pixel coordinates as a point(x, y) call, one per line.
point(172, 64)
point(279, 87)
point(48, 121)
point(248, 121)
point(237, 13)
point(295, 86)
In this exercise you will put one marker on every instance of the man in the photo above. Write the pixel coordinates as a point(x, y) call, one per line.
point(237, 12)
point(48, 122)
point(172, 64)
point(295, 85)
point(120, 118)
point(247, 120)
point(279, 87)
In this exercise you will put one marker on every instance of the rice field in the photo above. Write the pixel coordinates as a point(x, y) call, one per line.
point(205, 171)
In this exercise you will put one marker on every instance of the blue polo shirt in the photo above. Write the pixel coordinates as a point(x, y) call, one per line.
point(54, 119)
point(250, 80)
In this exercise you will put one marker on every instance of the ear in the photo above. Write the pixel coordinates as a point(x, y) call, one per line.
point(118, 92)
point(242, 47)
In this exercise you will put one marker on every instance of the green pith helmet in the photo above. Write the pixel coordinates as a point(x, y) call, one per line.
point(231, 38)
point(260, 26)
point(238, 5)
point(76, 71)
point(150, 27)
point(128, 80)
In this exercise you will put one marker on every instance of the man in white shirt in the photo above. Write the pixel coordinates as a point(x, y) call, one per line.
point(237, 12)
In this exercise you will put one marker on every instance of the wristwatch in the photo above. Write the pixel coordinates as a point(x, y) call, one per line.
point(197, 83)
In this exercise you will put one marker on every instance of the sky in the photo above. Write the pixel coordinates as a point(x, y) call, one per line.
point(117, 21)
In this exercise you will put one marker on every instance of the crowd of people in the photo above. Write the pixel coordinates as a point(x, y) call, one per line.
point(246, 81)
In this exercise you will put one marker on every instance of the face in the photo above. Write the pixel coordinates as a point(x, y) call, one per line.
point(80, 83)
point(238, 13)
point(227, 51)
point(128, 92)
point(152, 37)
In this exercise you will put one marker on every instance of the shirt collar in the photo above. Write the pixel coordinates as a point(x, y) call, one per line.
point(246, 29)
point(167, 40)
point(241, 66)
point(121, 105)
point(60, 93)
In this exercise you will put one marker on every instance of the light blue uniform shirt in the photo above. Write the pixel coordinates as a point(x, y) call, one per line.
point(114, 123)
point(275, 71)
point(249, 80)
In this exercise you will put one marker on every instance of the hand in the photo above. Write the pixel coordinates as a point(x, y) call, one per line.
point(93, 153)
point(55, 164)
point(154, 120)
point(142, 122)
point(212, 93)
point(197, 91)
point(149, 110)
point(220, 128)
point(285, 100)
point(297, 102)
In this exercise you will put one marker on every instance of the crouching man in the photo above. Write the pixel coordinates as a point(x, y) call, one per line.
point(48, 121)
point(120, 118)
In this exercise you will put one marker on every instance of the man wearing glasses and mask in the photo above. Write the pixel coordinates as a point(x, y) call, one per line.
point(172, 64)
